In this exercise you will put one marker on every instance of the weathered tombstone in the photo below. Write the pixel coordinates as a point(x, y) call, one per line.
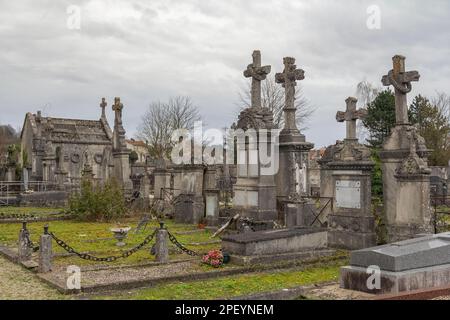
point(24, 250)
point(414, 264)
point(162, 179)
point(189, 206)
point(406, 176)
point(45, 252)
point(351, 224)
point(254, 191)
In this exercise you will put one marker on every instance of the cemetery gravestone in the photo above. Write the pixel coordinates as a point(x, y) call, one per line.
point(254, 191)
point(352, 224)
point(406, 176)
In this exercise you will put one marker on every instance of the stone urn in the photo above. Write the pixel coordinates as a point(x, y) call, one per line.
point(120, 233)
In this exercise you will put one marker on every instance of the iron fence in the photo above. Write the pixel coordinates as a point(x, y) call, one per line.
point(441, 214)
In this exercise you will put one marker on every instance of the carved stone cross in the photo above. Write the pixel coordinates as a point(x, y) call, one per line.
point(117, 108)
point(258, 74)
point(103, 105)
point(288, 78)
point(350, 116)
point(401, 81)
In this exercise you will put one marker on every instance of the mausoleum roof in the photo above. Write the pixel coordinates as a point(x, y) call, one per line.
point(61, 130)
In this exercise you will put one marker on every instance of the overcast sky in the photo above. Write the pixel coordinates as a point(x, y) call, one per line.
point(145, 50)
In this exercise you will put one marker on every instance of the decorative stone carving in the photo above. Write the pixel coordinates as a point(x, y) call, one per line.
point(254, 118)
point(257, 73)
point(401, 81)
point(75, 158)
point(413, 164)
point(98, 158)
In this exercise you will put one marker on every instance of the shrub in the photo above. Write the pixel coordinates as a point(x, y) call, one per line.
point(97, 202)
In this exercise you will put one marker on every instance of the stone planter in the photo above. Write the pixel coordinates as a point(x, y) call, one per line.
point(120, 233)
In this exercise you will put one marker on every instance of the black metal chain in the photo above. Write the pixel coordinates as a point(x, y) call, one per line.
point(180, 246)
point(89, 257)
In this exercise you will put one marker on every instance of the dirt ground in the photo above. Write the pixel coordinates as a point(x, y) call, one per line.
point(17, 283)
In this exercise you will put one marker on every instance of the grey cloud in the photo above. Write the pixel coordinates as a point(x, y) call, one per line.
point(150, 50)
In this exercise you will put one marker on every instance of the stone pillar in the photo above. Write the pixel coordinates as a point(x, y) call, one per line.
point(122, 170)
point(211, 196)
point(121, 154)
point(24, 250)
point(25, 178)
point(45, 252)
point(162, 245)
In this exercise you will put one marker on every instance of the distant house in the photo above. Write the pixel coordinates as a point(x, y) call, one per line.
point(140, 147)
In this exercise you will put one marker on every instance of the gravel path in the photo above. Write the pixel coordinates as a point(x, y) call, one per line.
point(17, 283)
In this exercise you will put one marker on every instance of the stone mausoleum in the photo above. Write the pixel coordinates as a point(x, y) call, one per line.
point(60, 151)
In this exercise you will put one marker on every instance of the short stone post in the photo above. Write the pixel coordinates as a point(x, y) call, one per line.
point(24, 250)
point(162, 244)
point(45, 252)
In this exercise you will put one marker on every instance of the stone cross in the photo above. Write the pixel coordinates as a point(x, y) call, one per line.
point(103, 106)
point(401, 81)
point(258, 74)
point(288, 78)
point(117, 108)
point(350, 116)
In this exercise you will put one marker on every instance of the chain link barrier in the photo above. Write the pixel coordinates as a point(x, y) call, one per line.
point(89, 257)
point(180, 246)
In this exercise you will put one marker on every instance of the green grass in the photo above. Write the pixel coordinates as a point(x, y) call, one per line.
point(234, 286)
point(79, 235)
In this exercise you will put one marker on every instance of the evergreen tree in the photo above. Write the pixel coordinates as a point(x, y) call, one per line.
point(433, 125)
point(380, 118)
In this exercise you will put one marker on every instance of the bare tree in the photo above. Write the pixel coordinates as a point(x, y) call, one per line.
point(272, 97)
point(442, 102)
point(366, 92)
point(161, 119)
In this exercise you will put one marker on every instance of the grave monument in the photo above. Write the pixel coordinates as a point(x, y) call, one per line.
point(351, 224)
point(406, 176)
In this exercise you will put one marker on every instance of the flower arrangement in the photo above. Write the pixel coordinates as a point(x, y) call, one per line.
point(214, 258)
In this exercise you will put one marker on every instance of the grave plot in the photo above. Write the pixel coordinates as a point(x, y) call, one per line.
point(96, 239)
point(94, 242)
